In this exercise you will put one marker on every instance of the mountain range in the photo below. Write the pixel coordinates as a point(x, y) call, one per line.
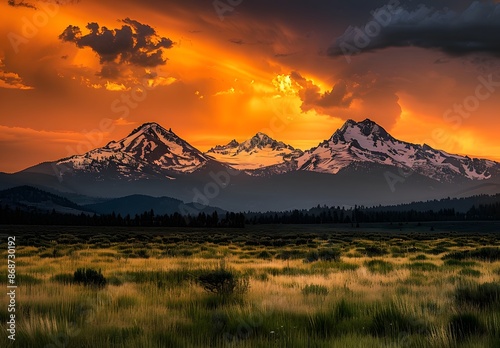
point(361, 163)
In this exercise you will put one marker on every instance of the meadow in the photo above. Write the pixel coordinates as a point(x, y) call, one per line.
point(425, 285)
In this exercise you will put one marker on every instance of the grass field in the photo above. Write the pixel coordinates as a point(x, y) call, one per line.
point(301, 286)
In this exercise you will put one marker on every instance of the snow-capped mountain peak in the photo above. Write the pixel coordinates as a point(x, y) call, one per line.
point(368, 142)
point(360, 131)
point(153, 151)
point(148, 149)
point(261, 141)
point(257, 152)
point(225, 148)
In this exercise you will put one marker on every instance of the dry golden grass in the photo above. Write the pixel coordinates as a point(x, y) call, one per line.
point(146, 312)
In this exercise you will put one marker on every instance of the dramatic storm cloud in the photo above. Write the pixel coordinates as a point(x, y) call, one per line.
point(474, 30)
point(134, 43)
point(312, 98)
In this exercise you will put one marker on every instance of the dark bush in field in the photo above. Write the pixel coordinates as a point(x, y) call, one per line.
point(291, 254)
point(264, 254)
point(462, 326)
point(379, 266)
point(482, 254)
point(373, 251)
point(223, 282)
point(422, 266)
point(421, 257)
point(329, 255)
point(480, 295)
point(459, 263)
point(89, 277)
point(323, 255)
point(143, 253)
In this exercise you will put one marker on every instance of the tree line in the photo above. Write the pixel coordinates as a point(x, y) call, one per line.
point(316, 215)
point(361, 214)
point(18, 216)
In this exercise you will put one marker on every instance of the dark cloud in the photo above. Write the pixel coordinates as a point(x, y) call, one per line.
point(473, 30)
point(237, 41)
point(373, 95)
point(32, 5)
point(134, 43)
point(312, 98)
point(110, 70)
point(20, 4)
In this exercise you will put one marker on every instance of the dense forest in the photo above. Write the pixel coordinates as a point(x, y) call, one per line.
point(319, 215)
point(316, 215)
point(19, 216)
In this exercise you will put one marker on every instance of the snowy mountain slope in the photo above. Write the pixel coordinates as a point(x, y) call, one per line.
point(368, 142)
point(148, 150)
point(257, 152)
point(349, 168)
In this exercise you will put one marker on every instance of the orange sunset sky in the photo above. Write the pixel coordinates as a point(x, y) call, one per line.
point(213, 71)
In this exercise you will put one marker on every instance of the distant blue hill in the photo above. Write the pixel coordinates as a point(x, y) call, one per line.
point(138, 204)
point(32, 198)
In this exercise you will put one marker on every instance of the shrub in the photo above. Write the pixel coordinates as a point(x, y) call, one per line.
point(482, 295)
point(421, 257)
point(373, 251)
point(462, 326)
point(223, 282)
point(459, 263)
point(422, 266)
point(89, 277)
point(311, 256)
point(437, 250)
point(143, 253)
point(379, 266)
point(483, 254)
point(314, 289)
point(291, 254)
point(329, 255)
point(264, 254)
point(323, 255)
